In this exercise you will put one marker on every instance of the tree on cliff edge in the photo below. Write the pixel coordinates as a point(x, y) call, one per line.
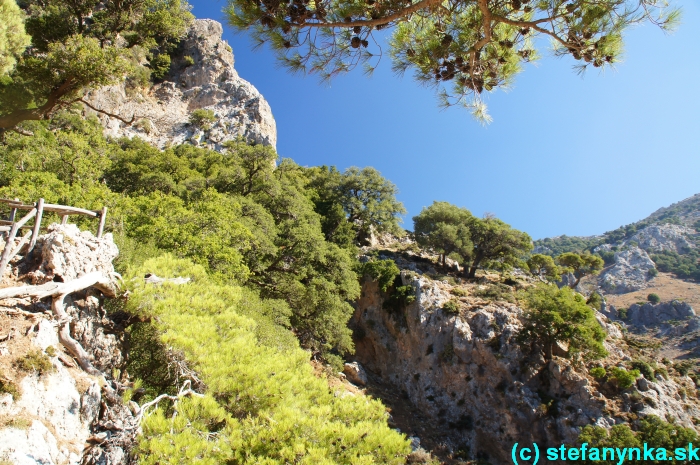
point(462, 47)
point(76, 46)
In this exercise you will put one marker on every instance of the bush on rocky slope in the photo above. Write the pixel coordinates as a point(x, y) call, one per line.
point(262, 403)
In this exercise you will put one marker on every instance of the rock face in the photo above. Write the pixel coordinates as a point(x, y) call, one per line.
point(466, 373)
point(210, 83)
point(631, 272)
point(663, 237)
point(66, 253)
point(355, 373)
point(65, 416)
point(649, 314)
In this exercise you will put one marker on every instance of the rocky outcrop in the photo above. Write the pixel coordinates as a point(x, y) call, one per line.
point(65, 253)
point(465, 372)
point(211, 82)
point(631, 272)
point(58, 414)
point(663, 237)
point(649, 315)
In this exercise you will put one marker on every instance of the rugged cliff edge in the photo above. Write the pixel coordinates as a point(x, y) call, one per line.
point(202, 76)
point(51, 410)
point(476, 392)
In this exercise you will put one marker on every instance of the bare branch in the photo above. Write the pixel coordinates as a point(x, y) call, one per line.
point(104, 112)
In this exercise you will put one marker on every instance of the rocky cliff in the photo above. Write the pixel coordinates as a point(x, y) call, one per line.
point(476, 391)
point(51, 410)
point(202, 76)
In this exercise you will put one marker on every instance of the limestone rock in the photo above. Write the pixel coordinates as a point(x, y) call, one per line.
point(649, 314)
point(663, 237)
point(210, 83)
point(67, 253)
point(630, 272)
point(469, 373)
point(355, 373)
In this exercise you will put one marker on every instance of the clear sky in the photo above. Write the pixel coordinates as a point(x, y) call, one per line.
point(564, 154)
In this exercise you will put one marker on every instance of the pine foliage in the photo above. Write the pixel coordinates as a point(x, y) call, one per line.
point(263, 404)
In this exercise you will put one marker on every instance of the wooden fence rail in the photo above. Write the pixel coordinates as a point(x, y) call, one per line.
point(10, 227)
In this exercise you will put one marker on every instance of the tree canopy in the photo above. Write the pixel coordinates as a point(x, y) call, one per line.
point(444, 228)
point(461, 47)
point(13, 38)
point(580, 264)
point(543, 266)
point(560, 315)
point(77, 46)
point(355, 204)
point(448, 229)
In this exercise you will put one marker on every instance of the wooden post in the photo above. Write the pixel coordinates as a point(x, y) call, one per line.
point(7, 252)
point(101, 227)
point(64, 219)
point(13, 212)
point(37, 224)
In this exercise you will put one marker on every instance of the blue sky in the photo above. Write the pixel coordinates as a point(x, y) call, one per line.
point(564, 154)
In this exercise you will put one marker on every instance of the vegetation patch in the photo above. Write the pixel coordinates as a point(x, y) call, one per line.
point(34, 361)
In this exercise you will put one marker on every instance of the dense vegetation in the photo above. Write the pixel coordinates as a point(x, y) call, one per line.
point(76, 46)
point(263, 404)
point(475, 242)
point(663, 436)
point(560, 316)
point(234, 213)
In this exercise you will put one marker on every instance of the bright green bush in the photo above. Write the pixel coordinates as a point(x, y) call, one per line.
point(654, 298)
point(651, 430)
point(623, 378)
point(262, 404)
point(160, 65)
point(382, 271)
point(644, 368)
point(598, 372)
point(451, 307)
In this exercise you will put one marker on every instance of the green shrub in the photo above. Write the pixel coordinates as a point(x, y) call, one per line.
point(497, 291)
point(654, 298)
point(160, 65)
point(51, 351)
point(598, 372)
point(684, 367)
point(644, 368)
point(459, 292)
point(653, 273)
point(622, 313)
point(451, 307)
point(202, 119)
point(622, 378)
point(595, 300)
point(560, 315)
point(651, 432)
point(262, 404)
point(188, 61)
point(385, 272)
point(35, 360)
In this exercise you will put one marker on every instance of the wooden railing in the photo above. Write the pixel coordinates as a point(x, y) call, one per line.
point(11, 226)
